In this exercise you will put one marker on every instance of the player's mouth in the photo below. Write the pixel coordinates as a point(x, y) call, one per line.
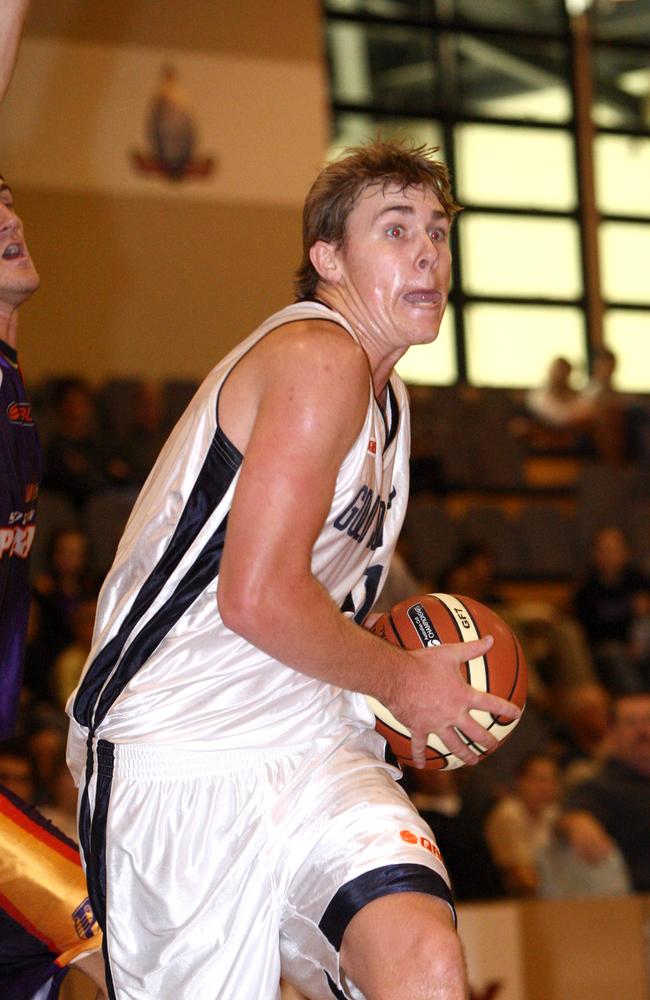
point(14, 251)
point(423, 297)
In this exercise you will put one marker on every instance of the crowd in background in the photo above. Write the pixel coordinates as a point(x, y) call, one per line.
point(533, 820)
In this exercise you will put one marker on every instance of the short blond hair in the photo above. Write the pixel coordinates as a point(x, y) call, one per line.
point(339, 185)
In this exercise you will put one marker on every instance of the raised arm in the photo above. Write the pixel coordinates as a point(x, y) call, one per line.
point(311, 394)
point(12, 18)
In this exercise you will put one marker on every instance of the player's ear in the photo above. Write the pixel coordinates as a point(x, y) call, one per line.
point(325, 260)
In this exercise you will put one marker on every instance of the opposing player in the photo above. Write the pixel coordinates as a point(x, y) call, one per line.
point(20, 460)
point(237, 815)
point(46, 922)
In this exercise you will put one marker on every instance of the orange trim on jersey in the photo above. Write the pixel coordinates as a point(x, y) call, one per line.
point(43, 884)
point(24, 921)
point(41, 833)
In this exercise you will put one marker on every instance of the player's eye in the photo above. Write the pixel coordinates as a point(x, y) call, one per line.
point(438, 235)
point(395, 231)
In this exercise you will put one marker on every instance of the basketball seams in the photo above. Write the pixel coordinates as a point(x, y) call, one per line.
point(396, 630)
point(451, 616)
point(478, 634)
point(402, 628)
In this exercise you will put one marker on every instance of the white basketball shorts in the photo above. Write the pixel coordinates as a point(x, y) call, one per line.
point(213, 874)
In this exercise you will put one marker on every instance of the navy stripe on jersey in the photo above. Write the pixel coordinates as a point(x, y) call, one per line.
point(394, 417)
point(217, 473)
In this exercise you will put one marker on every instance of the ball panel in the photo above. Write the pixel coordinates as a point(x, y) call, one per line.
point(419, 623)
point(431, 620)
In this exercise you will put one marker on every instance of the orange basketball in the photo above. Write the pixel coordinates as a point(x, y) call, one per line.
point(434, 619)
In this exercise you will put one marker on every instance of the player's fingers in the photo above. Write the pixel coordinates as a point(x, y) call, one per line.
point(419, 748)
point(495, 705)
point(477, 734)
point(454, 742)
point(472, 648)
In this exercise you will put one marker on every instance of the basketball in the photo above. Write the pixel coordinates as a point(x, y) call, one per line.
point(434, 619)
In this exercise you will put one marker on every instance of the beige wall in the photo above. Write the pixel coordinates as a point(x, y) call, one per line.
point(142, 275)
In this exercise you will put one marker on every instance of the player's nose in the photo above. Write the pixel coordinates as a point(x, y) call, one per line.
point(427, 252)
point(9, 222)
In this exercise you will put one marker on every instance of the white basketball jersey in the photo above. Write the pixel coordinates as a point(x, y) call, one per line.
point(163, 667)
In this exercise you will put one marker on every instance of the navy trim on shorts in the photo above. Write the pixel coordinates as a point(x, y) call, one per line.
point(374, 884)
point(93, 840)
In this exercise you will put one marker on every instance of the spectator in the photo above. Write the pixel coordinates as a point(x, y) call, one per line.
point(607, 414)
point(17, 771)
point(140, 447)
point(70, 661)
point(522, 824)
point(606, 603)
point(57, 592)
point(556, 417)
point(45, 742)
point(584, 724)
point(75, 459)
point(471, 574)
point(61, 805)
point(612, 809)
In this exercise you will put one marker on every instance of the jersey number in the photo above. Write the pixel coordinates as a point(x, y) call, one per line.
point(370, 584)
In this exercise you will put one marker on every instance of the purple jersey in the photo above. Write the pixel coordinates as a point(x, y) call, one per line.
point(20, 464)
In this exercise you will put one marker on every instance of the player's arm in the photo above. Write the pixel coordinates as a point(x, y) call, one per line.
point(12, 18)
point(311, 396)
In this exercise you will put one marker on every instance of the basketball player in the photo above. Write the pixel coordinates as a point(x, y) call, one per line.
point(20, 460)
point(46, 922)
point(238, 818)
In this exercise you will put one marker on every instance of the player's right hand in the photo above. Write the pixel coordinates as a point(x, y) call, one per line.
point(435, 698)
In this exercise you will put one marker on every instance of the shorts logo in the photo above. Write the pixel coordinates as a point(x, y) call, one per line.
point(20, 413)
point(423, 626)
point(372, 446)
point(84, 920)
point(429, 845)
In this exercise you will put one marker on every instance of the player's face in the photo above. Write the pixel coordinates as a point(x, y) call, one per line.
point(18, 276)
point(396, 263)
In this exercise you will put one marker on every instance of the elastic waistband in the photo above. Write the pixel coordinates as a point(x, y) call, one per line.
point(151, 761)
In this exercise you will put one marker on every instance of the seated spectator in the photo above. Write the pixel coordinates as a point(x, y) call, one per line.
point(556, 650)
point(56, 594)
point(45, 739)
point(471, 574)
point(606, 604)
point(62, 798)
point(557, 417)
point(606, 410)
point(612, 809)
point(584, 714)
point(75, 459)
point(69, 663)
point(639, 638)
point(522, 824)
point(17, 770)
point(137, 451)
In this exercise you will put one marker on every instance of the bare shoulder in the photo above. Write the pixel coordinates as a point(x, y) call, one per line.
point(323, 345)
point(307, 371)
